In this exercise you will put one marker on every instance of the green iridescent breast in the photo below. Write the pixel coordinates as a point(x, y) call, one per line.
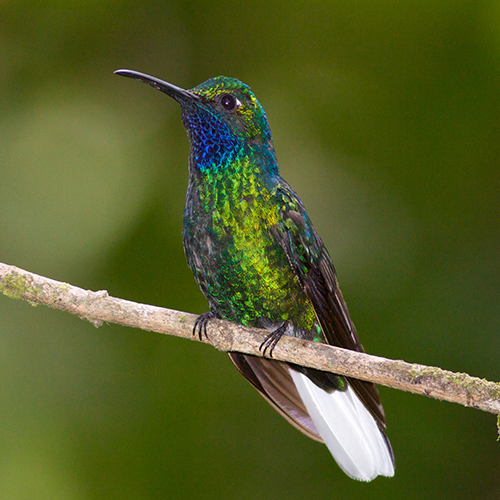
point(249, 277)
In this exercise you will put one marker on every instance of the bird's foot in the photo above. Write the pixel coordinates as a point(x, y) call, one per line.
point(200, 325)
point(272, 339)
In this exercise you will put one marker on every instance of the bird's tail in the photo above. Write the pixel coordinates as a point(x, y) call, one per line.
point(348, 429)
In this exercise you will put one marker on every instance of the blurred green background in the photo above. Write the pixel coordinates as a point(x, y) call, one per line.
point(386, 120)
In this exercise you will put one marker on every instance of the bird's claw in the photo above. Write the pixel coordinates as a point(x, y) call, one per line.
point(200, 325)
point(272, 339)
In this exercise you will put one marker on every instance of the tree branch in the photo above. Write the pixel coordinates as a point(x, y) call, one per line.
point(99, 307)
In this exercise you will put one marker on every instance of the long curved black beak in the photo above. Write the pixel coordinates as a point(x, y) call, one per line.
point(180, 95)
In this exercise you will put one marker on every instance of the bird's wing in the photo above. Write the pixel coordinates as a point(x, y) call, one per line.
point(274, 382)
point(312, 265)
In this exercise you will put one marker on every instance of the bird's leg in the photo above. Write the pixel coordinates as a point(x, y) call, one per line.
point(200, 325)
point(273, 338)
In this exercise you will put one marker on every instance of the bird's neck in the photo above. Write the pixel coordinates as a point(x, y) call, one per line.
point(226, 160)
point(246, 180)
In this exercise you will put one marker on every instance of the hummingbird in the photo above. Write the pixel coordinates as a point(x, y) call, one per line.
point(258, 260)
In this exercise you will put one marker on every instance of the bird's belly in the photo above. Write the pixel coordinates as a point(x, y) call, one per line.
point(245, 276)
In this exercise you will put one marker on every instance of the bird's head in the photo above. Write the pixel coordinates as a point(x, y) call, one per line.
point(222, 117)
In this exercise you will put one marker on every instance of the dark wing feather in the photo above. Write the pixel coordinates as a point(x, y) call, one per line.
point(272, 379)
point(313, 267)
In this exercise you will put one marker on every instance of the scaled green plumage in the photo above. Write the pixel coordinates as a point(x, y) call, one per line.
point(251, 279)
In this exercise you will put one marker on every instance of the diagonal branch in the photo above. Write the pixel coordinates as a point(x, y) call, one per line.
point(99, 307)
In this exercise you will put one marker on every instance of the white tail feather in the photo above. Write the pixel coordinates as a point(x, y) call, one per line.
point(348, 430)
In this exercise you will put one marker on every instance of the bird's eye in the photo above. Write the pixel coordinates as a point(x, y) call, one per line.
point(228, 102)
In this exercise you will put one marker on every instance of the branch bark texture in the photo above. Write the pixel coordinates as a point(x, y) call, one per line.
point(99, 307)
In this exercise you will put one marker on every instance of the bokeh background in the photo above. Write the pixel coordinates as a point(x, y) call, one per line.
point(386, 120)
